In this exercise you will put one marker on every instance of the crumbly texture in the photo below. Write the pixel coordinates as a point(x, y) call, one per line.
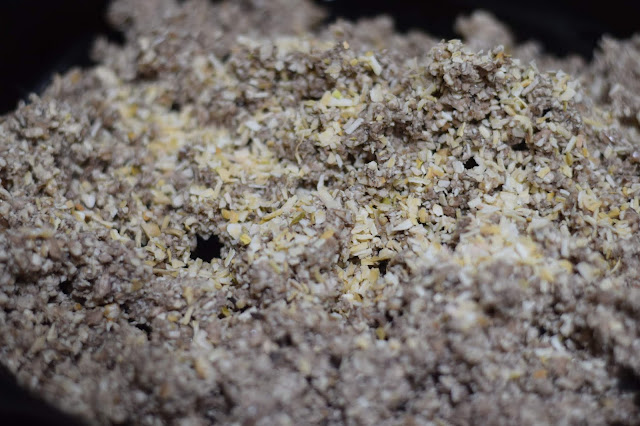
point(414, 231)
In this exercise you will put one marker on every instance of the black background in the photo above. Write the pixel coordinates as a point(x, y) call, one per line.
point(39, 37)
point(42, 37)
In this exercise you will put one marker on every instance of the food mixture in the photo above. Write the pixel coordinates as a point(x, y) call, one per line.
point(411, 231)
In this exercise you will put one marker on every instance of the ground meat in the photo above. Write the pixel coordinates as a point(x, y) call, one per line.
point(410, 231)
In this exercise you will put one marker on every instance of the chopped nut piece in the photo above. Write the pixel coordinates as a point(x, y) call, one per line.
point(151, 229)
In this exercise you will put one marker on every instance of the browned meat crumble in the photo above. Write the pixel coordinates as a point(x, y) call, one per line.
point(414, 231)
